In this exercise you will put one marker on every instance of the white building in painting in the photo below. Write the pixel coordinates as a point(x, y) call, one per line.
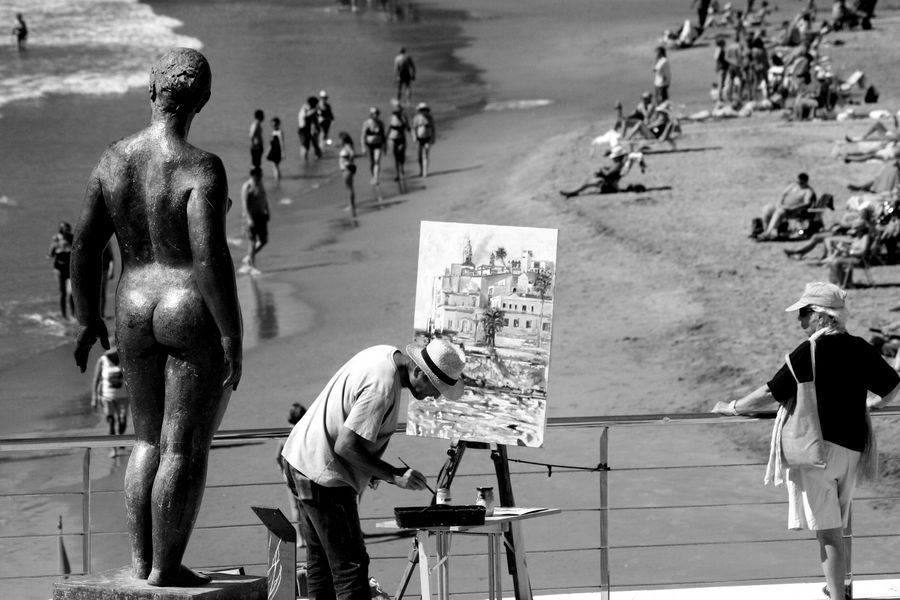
point(465, 291)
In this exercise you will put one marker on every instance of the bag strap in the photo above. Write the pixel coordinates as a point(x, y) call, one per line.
point(812, 360)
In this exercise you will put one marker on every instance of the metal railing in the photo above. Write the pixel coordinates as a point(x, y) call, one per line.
point(596, 555)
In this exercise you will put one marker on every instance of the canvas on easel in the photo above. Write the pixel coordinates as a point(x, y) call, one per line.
point(489, 289)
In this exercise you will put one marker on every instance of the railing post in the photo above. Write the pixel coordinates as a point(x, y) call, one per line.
point(604, 514)
point(86, 512)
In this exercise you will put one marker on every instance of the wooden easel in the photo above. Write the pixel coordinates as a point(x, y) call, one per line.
point(515, 543)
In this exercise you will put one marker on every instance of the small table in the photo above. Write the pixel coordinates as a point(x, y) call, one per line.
point(494, 527)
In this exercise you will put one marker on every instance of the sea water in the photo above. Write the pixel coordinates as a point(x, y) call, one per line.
point(89, 47)
point(84, 48)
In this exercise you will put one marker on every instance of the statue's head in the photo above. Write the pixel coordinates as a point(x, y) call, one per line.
point(180, 81)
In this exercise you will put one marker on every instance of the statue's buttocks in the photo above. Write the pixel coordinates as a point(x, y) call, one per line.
point(164, 304)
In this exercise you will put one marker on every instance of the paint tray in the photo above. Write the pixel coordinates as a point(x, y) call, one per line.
point(439, 515)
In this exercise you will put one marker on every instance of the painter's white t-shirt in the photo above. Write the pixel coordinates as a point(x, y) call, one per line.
point(364, 396)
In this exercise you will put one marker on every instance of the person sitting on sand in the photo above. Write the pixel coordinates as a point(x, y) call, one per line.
point(606, 179)
point(796, 199)
point(878, 132)
point(661, 126)
point(844, 254)
point(859, 214)
point(885, 181)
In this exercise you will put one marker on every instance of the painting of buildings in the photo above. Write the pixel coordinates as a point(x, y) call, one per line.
point(490, 290)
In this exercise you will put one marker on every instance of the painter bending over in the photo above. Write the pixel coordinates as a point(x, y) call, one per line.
point(335, 452)
point(606, 179)
point(844, 369)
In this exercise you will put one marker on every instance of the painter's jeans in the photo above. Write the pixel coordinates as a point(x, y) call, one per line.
point(337, 565)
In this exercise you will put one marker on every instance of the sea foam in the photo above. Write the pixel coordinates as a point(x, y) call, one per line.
point(87, 47)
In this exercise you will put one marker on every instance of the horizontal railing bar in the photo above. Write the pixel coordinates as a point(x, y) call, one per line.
point(107, 441)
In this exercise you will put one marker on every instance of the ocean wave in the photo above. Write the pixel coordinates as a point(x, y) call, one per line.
point(90, 47)
point(517, 104)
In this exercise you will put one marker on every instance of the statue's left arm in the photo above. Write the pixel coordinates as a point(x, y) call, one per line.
point(213, 268)
point(91, 236)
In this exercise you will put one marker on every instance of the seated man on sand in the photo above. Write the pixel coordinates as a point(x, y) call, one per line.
point(606, 179)
point(796, 199)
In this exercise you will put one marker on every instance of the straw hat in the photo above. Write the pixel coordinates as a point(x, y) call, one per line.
point(422, 106)
point(323, 94)
point(443, 363)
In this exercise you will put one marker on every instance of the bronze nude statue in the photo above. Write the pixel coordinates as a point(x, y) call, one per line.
point(178, 321)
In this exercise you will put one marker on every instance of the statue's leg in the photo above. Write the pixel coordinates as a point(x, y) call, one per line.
point(144, 369)
point(194, 405)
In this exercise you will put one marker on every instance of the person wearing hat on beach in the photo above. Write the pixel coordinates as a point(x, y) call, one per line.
point(846, 368)
point(373, 139)
point(606, 179)
point(335, 452)
point(796, 199)
point(425, 132)
point(325, 114)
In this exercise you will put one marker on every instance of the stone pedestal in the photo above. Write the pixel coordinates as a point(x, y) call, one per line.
point(118, 584)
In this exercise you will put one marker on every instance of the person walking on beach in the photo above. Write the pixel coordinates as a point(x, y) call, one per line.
point(335, 453)
point(178, 321)
point(346, 157)
point(109, 391)
point(425, 132)
point(404, 75)
point(60, 253)
point(256, 139)
point(308, 128)
point(325, 116)
point(20, 31)
point(294, 415)
point(255, 213)
point(373, 138)
point(398, 126)
point(662, 75)
point(844, 369)
point(276, 149)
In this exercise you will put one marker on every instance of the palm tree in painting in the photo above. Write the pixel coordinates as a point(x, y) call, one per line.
point(500, 254)
point(542, 282)
point(492, 323)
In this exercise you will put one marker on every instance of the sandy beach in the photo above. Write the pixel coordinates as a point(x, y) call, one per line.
point(662, 303)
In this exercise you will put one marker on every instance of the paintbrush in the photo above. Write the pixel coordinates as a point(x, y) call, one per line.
point(433, 493)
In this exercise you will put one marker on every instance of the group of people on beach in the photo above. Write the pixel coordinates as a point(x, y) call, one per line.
point(314, 122)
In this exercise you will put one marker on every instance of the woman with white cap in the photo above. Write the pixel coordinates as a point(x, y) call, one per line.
point(424, 130)
point(843, 369)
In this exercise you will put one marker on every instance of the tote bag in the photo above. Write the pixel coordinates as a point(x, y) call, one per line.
point(801, 433)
